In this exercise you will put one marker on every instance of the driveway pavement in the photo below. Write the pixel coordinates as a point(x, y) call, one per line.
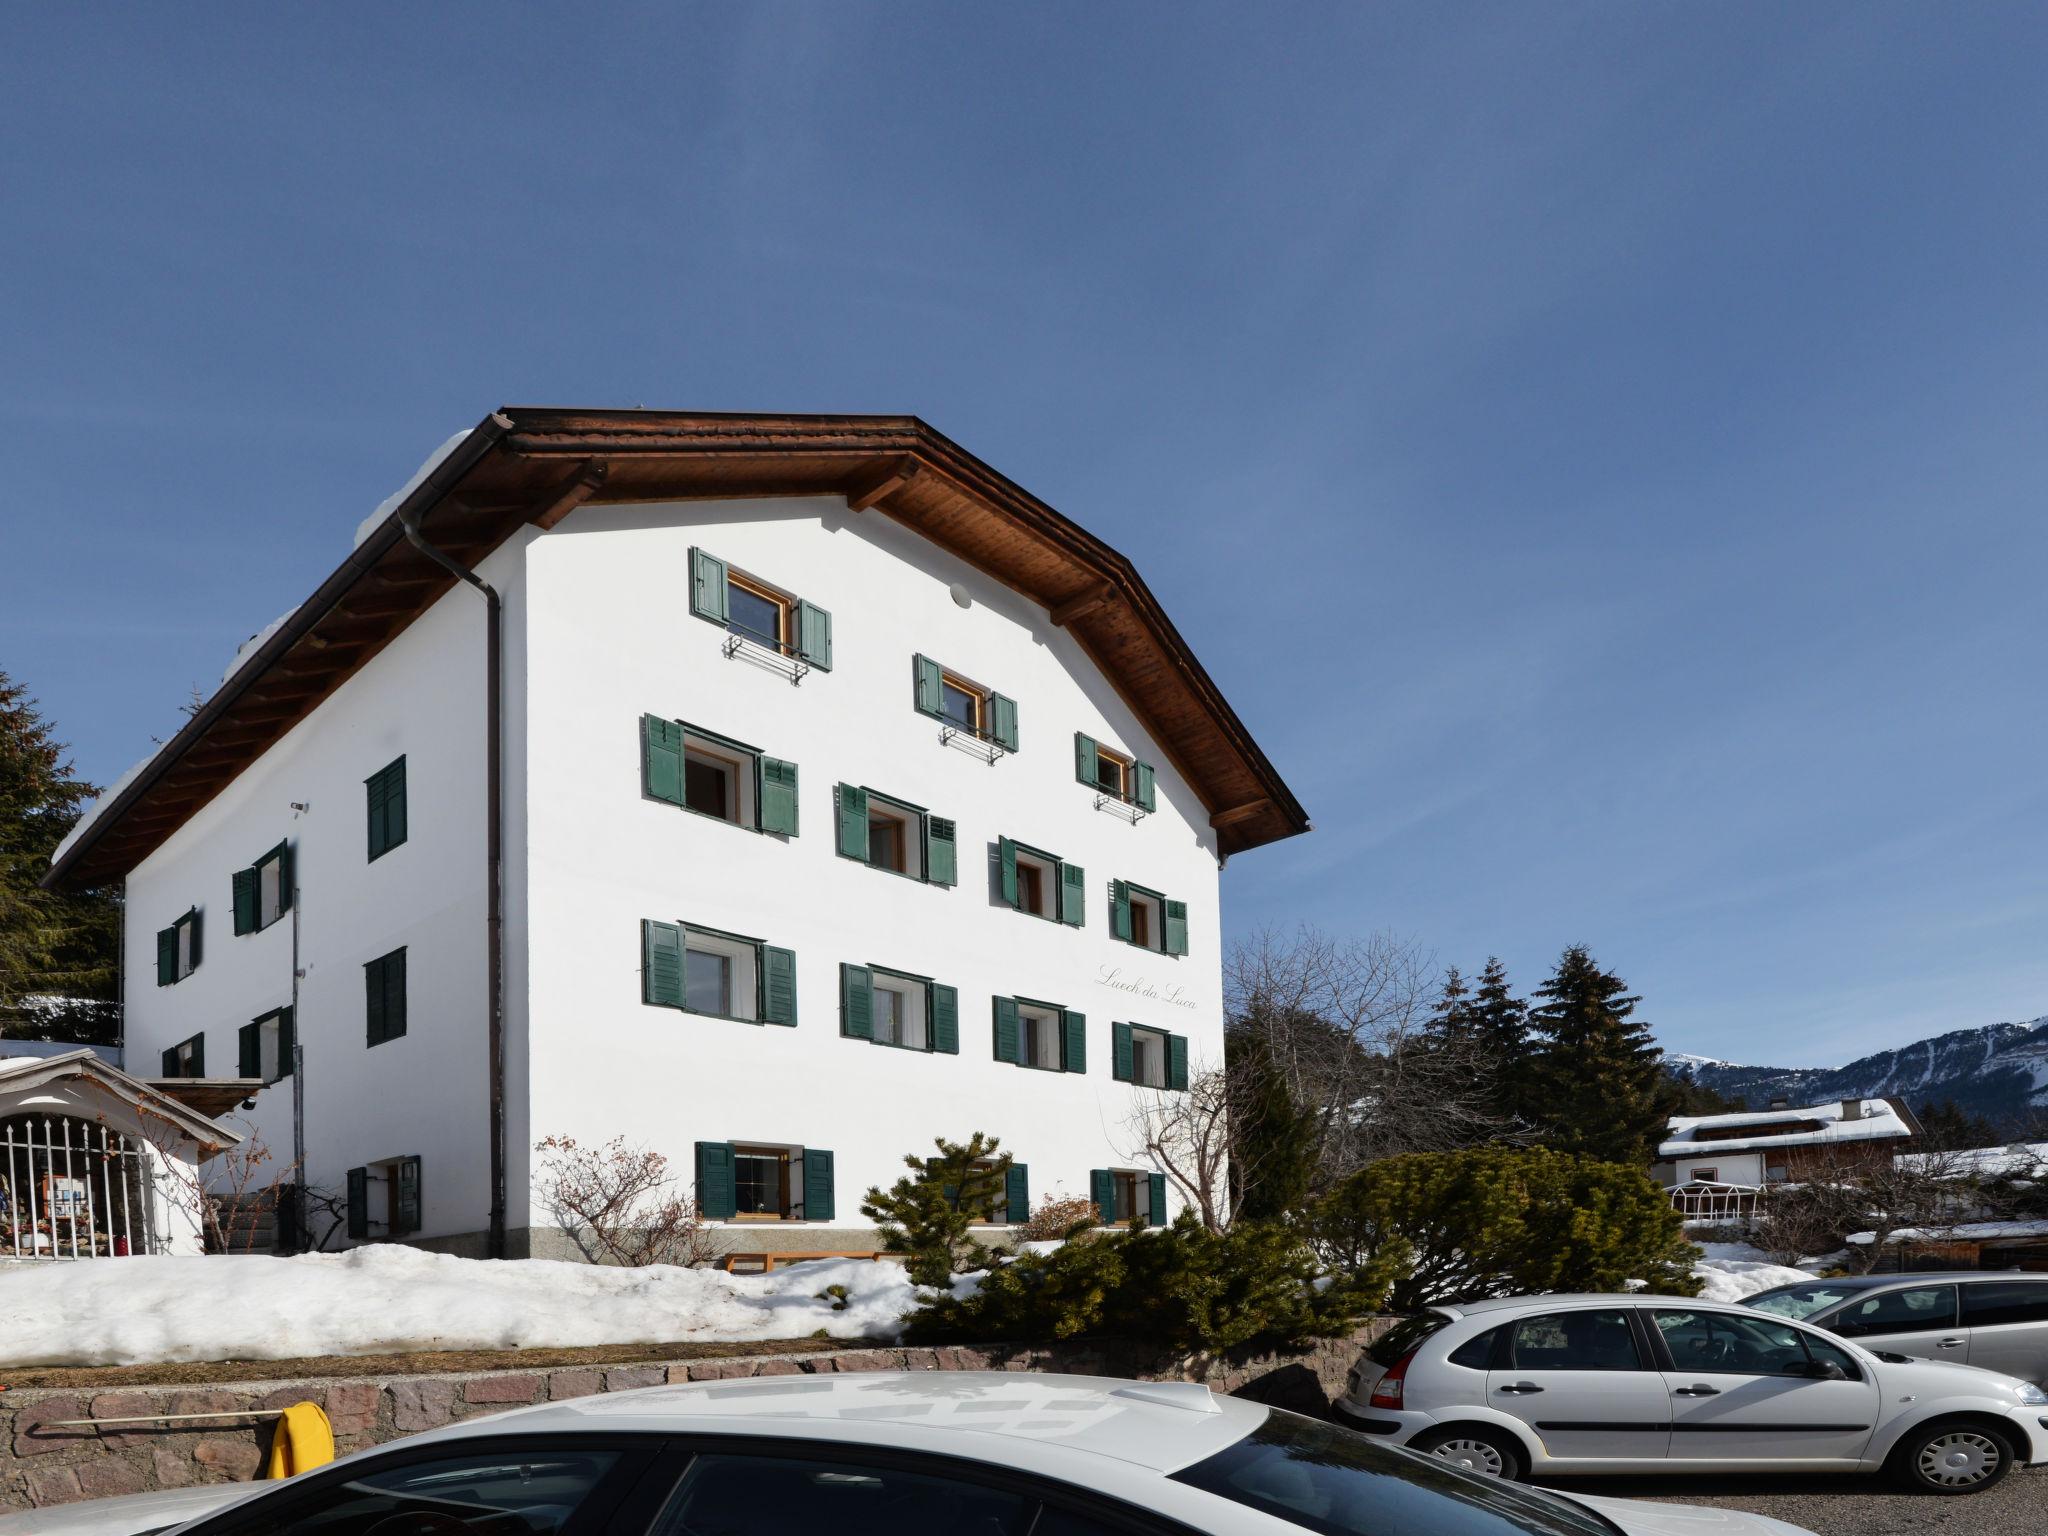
point(1846, 1506)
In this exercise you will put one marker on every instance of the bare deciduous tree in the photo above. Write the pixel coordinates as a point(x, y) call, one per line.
point(1187, 1137)
point(1844, 1192)
point(227, 1196)
point(616, 1204)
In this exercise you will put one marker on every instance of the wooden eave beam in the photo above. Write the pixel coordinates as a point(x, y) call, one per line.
point(1237, 813)
point(1082, 603)
point(877, 488)
point(580, 489)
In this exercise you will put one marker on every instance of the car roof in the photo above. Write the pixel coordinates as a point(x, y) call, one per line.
point(1897, 1277)
point(1003, 1416)
point(1575, 1300)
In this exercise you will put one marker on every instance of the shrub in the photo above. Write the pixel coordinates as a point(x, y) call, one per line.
point(1503, 1221)
point(927, 1216)
point(1059, 1217)
point(616, 1204)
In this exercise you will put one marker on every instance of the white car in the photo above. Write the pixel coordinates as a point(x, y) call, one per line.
point(1574, 1384)
point(900, 1454)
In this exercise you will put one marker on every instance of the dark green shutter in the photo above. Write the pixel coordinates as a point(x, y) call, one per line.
point(286, 877)
point(1073, 894)
point(661, 964)
point(1084, 759)
point(1006, 858)
point(856, 1002)
point(707, 586)
point(778, 986)
point(941, 851)
point(1002, 714)
point(1073, 1041)
point(714, 1180)
point(167, 955)
point(814, 635)
point(1102, 1190)
point(359, 1203)
point(249, 1040)
point(287, 1042)
point(820, 1201)
point(373, 1002)
point(1122, 1065)
point(778, 796)
point(1006, 1029)
point(853, 821)
point(661, 759)
point(199, 1055)
point(1158, 1193)
point(1144, 792)
point(405, 1197)
point(191, 920)
point(1017, 1195)
point(245, 901)
point(385, 796)
point(929, 692)
point(945, 1018)
point(374, 797)
point(1177, 1063)
point(394, 994)
point(1120, 910)
point(170, 1063)
point(1176, 927)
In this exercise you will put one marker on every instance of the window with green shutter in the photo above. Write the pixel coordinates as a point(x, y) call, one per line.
point(384, 794)
point(264, 1046)
point(884, 832)
point(1120, 781)
point(1102, 1191)
point(1041, 1035)
point(1156, 1188)
point(661, 759)
point(187, 1058)
point(661, 964)
point(177, 949)
point(1149, 1058)
point(719, 974)
point(974, 715)
point(1040, 884)
point(405, 1196)
point(792, 630)
point(263, 891)
point(898, 1008)
point(384, 997)
point(1017, 1195)
point(1142, 916)
point(716, 776)
point(820, 1201)
point(714, 1180)
point(778, 985)
point(359, 1204)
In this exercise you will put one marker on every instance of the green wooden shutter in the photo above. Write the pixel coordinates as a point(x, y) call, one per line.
point(856, 1002)
point(1158, 1193)
point(1084, 759)
point(1176, 927)
point(1002, 717)
point(191, 920)
point(373, 1002)
point(287, 1042)
point(1073, 894)
point(941, 851)
point(661, 964)
point(199, 1055)
point(1177, 1063)
point(167, 955)
point(778, 986)
point(245, 901)
point(1073, 1041)
point(1006, 858)
point(405, 1197)
point(385, 797)
point(375, 796)
point(1006, 1029)
point(778, 796)
point(1144, 793)
point(1017, 1195)
point(286, 877)
point(661, 759)
point(715, 1196)
point(814, 636)
point(928, 693)
point(394, 994)
point(1102, 1190)
point(249, 1040)
point(944, 1003)
point(707, 586)
point(170, 1063)
point(1120, 910)
point(359, 1203)
point(1122, 1059)
point(820, 1198)
point(853, 821)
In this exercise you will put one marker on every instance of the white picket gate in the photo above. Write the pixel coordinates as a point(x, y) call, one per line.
point(73, 1189)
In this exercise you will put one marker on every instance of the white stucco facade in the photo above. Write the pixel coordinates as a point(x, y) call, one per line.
point(599, 632)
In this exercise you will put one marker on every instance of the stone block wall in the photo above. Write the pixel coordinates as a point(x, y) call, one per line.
point(43, 1464)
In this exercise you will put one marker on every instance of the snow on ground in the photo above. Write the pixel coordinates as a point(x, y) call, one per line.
point(1735, 1271)
point(393, 1299)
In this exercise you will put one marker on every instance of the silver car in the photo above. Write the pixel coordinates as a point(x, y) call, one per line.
point(1998, 1322)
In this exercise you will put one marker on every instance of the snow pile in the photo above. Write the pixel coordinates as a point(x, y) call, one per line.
point(1736, 1271)
point(254, 643)
point(433, 462)
point(394, 1299)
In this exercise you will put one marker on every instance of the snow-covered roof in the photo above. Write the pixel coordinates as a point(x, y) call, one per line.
point(1966, 1232)
point(1878, 1120)
point(24, 1074)
point(2019, 1159)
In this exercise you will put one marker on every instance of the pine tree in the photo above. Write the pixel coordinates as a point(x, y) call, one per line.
point(1452, 1015)
point(1596, 1077)
point(57, 952)
point(1275, 1143)
point(928, 1215)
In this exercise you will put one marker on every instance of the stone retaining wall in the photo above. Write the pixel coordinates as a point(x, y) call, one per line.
point(41, 1464)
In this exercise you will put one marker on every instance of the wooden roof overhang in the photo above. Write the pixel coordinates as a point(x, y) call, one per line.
point(529, 465)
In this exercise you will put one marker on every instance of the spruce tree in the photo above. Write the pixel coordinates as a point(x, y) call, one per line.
point(57, 952)
point(1275, 1144)
point(929, 1215)
point(1596, 1076)
point(1500, 1026)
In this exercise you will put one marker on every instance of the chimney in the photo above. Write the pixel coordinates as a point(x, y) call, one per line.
point(1852, 1109)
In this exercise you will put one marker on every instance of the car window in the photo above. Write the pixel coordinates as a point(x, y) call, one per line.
point(1341, 1483)
point(739, 1495)
point(1821, 1349)
point(1574, 1341)
point(1476, 1353)
point(2005, 1301)
point(1722, 1341)
point(1800, 1301)
point(1906, 1311)
point(1404, 1337)
point(530, 1493)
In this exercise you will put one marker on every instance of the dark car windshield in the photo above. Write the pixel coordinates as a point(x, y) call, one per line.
point(1342, 1483)
point(1404, 1337)
point(1802, 1301)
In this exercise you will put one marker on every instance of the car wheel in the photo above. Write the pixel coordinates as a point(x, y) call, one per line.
point(1473, 1448)
point(1952, 1458)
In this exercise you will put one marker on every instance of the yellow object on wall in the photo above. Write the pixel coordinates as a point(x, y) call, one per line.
point(304, 1440)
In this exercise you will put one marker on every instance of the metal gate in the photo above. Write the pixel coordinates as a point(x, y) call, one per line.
point(72, 1189)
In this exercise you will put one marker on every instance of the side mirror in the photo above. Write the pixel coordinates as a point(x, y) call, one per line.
point(1825, 1370)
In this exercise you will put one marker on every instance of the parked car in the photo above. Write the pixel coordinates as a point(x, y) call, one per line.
point(1574, 1384)
point(1996, 1321)
point(991, 1453)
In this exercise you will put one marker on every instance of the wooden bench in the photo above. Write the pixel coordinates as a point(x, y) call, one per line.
point(764, 1263)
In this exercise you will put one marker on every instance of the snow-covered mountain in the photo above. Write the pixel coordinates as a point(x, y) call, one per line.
point(1999, 1070)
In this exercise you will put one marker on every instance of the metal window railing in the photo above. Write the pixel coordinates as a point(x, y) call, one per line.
point(73, 1189)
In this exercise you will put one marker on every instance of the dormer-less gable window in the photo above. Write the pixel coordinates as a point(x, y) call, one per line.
point(1116, 775)
point(177, 949)
point(263, 891)
point(967, 707)
point(758, 613)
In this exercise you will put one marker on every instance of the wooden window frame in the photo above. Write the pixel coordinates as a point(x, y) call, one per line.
point(974, 691)
point(1155, 918)
point(910, 821)
point(785, 1191)
point(182, 930)
point(1141, 1195)
point(1124, 766)
point(758, 946)
point(177, 1053)
point(785, 643)
point(742, 765)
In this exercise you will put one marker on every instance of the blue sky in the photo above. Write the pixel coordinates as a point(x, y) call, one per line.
point(1599, 449)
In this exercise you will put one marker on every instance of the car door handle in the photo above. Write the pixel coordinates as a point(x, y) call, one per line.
point(1951, 1343)
point(1519, 1387)
point(1697, 1389)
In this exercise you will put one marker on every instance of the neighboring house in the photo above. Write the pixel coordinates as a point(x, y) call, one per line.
point(94, 1162)
point(1754, 1148)
point(1963, 1245)
point(792, 791)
